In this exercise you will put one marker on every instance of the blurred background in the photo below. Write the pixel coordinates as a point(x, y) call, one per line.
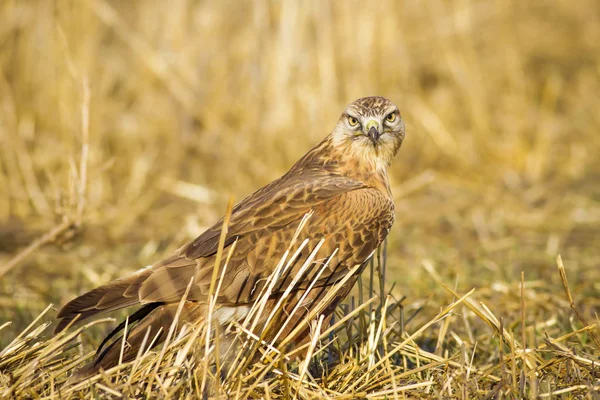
point(188, 103)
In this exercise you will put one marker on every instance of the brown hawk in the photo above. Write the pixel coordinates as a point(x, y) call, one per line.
point(343, 184)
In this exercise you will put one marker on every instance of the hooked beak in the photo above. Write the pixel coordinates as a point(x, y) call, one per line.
point(373, 131)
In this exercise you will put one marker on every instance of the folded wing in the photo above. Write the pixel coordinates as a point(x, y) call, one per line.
point(262, 224)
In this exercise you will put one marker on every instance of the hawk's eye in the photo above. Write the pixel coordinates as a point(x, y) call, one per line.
point(352, 121)
point(391, 117)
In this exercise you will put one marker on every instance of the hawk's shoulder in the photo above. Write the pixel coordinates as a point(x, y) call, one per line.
point(284, 200)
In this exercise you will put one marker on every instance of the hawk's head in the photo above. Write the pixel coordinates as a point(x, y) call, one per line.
point(371, 129)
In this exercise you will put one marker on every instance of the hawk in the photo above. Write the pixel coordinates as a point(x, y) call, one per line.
point(342, 183)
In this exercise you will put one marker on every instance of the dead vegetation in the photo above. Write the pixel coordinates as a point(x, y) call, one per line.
point(125, 127)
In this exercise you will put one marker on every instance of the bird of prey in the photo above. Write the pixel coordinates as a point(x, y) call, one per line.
point(342, 182)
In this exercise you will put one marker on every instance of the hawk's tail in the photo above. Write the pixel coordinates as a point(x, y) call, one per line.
point(151, 325)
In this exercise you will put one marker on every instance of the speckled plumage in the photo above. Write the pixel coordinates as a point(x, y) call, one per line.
point(342, 181)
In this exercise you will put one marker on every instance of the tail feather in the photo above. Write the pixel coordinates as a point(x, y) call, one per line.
point(156, 318)
point(131, 321)
point(115, 295)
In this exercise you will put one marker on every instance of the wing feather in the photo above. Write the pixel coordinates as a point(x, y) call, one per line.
point(269, 211)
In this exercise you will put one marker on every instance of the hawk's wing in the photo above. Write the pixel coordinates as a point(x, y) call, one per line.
point(263, 225)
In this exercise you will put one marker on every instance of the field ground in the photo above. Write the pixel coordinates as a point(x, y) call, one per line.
point(125, 127)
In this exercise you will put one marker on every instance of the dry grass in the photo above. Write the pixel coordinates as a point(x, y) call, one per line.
point(125, 127)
